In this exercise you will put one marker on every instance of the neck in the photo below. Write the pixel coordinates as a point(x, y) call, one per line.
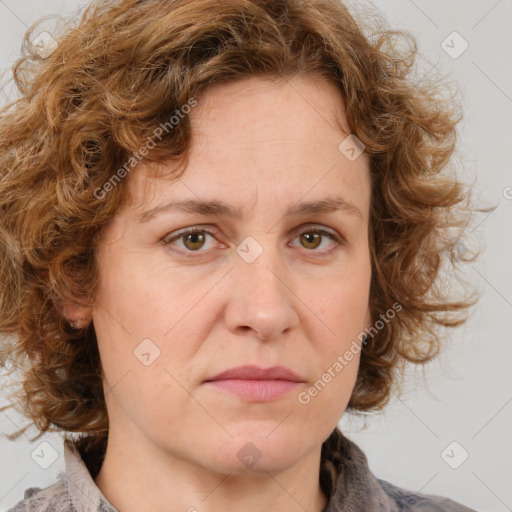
point(148, 479)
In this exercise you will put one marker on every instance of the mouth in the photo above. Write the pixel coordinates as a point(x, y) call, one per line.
point(255, 390)
point(256, 384)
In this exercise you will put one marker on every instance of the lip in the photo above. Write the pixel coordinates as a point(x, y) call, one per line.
point(251, 372)
point(255, 384)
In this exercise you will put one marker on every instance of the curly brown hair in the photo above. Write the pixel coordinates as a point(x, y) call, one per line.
point(124, 68)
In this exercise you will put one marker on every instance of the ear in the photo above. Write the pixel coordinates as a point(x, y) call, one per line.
point(77, 316)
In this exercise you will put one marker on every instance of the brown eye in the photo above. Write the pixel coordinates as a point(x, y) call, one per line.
point(193, 241)
point(311, 240)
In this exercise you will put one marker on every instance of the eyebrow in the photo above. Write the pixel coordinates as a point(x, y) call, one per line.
point(222, 209)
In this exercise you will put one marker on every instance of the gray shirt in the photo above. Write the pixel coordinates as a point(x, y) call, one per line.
point(345, 478)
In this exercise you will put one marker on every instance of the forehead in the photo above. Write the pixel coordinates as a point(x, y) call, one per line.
point(279, 137)
point(311, 97)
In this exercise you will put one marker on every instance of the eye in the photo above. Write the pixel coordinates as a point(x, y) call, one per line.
point(193, 239)
point(312, 237)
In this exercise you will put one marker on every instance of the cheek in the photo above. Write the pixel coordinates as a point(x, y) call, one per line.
point(336, 338)
point(324, 401)
point(146, 316)
point(341, 306)
point(142, 297)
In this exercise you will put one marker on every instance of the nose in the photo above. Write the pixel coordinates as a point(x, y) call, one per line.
point(262, 301)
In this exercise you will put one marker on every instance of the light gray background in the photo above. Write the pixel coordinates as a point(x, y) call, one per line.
point(469, 393)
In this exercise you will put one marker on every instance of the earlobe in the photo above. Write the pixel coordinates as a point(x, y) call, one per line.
point(77, 316)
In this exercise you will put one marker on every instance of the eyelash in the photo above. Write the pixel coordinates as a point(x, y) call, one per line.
point(338, 240)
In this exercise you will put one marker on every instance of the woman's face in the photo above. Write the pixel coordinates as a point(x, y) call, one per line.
point(280, 283)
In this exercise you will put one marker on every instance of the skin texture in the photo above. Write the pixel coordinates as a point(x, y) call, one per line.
point(173, 441)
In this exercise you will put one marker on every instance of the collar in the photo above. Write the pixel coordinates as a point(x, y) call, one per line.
point(347, 481)
point(84, 493)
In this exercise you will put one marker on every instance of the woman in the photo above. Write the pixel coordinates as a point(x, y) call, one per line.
point(223, 225)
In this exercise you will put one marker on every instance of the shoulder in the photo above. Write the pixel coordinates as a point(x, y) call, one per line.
point(74, 490)
point(346, 478)
point(54, 498)
point(415, 502)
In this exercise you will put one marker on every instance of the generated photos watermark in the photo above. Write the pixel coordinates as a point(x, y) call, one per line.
point(158, 133)
point(304, 397)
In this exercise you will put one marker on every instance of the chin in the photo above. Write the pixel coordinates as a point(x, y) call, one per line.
point(258, 450)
